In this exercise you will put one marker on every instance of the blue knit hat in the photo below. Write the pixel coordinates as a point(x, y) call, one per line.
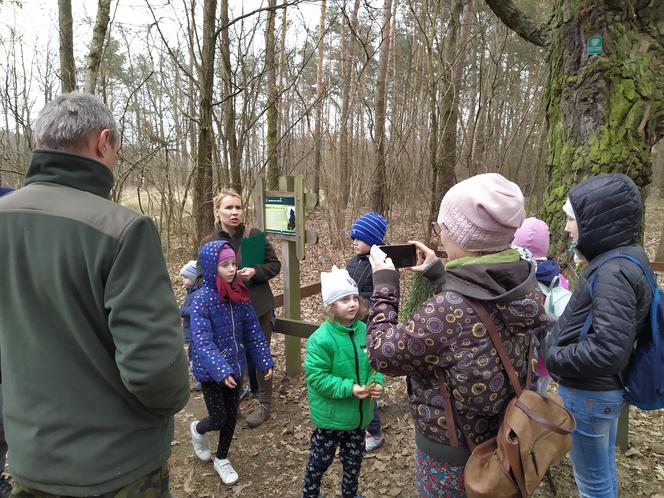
point(189, 270)
point(5, 190)
point(369, 228)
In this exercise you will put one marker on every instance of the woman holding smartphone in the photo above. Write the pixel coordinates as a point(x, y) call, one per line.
point(445, 341)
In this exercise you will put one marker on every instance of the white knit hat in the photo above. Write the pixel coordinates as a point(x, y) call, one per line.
point(336, 284)
point(569, 210)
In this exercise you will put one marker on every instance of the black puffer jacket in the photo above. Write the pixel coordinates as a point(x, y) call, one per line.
point(608, 211)
point(359, 270)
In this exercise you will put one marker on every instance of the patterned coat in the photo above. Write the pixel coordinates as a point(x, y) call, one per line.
point(445, 335)
point(221, 330)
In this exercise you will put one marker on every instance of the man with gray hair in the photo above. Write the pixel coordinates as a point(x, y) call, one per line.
point(92, 359)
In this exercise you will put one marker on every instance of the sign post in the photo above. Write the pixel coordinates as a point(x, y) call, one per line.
point(281, 214)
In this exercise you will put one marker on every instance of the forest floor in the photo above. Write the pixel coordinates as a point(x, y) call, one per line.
point(271, 459)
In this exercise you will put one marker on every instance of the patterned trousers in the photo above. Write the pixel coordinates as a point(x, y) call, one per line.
point(153, 485)
point(324, 443)
point(436, 479)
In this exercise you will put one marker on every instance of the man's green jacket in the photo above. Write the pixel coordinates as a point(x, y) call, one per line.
point(91, 347)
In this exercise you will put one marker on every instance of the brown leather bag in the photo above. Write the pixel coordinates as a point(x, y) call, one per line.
point(534, 434)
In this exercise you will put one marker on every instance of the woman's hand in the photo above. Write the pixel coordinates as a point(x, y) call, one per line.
point(230, 382)
point(246, 273)
point(425, 257)
point(268, 374)
point(379, 260)
point(359, 391)
point(376, 391)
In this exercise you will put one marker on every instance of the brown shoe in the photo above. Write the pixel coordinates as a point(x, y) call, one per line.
point(258, 416)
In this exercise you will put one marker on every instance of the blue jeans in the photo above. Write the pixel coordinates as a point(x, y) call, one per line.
point(593, 451)
point(374, 426)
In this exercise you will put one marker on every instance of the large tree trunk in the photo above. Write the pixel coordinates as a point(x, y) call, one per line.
point(272, 96)
point(378, 196)
point(320, 91)
point(604, 112)
point(203, 186)
point(67, 66)
point(97, 45)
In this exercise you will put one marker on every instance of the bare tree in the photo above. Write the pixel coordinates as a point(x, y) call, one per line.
point(272, 97)
point(378, 196)
point(320, 91)
point(67, 65)
point(348, 54)
point(203, 190)
point(97, 45)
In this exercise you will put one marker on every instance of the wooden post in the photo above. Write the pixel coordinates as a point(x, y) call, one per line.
point(622, 438)
point(259, 201)
point(291, 265)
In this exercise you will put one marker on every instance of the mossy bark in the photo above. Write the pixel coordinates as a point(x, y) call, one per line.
point(606, 111)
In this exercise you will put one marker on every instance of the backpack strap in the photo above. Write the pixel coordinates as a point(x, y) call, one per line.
point(583, 336)
point(450, 412)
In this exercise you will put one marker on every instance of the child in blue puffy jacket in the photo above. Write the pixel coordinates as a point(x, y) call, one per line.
point(223, 325)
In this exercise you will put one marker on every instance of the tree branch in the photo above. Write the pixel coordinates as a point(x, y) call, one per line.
point(520, 23)
point(254, 12)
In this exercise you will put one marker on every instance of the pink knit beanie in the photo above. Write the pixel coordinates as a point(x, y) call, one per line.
point(533, 234)
point(482, 213)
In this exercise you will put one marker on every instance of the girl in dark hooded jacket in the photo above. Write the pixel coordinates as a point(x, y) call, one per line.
point(604, 215)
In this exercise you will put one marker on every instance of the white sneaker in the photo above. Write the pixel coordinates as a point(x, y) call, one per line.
point(200, 443)
point(225, 471)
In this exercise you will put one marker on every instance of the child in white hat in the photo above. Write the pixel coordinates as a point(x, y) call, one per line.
point(341, 385)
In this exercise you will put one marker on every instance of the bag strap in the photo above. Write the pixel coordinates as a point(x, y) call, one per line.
point(247, 232)
point(652, 282)
point(547, 423)
point(483, 314)
point(450, 412)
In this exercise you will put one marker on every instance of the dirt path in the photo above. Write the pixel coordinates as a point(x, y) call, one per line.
point(271, 459)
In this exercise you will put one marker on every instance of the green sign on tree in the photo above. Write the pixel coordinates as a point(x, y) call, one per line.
point(594, 45)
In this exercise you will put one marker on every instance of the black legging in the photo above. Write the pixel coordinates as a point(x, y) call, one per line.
point(222, 403)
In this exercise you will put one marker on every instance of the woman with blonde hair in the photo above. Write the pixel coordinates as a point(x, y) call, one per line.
point(229, 225)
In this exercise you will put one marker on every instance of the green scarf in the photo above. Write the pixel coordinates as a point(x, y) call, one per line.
point(506, 256)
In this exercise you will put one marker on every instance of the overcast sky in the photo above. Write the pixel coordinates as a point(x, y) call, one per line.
point(36, 21)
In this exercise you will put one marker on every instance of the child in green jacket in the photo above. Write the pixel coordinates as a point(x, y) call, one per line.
point(341, 385)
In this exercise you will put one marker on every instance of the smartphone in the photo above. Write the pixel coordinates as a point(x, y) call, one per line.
point(402, 255)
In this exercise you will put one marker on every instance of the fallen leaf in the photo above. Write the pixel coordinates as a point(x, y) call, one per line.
point(632, 452)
